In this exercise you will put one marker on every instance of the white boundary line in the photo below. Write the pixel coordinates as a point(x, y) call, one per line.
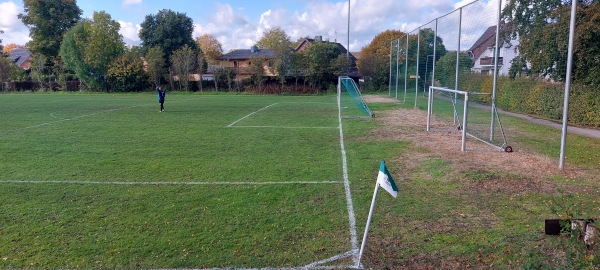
point(172, 183)
point(351, 216)
point(284, 127)
point(235, 122)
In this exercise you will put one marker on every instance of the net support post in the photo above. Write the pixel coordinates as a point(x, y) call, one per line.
point(464, 124)
point(429, 109)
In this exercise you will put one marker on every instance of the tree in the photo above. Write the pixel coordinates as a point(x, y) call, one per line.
point(48, 21)
point(90, 47)
point(375, 58)
point(202, 68)
point(321, 56)
point(210, 47)
point(542, 28)
point(155, 63)
point(445, 69)
point(183, 62)
point(169, 30)
point(9, 71)
point(257, 71)
point(276, 39)
point(10, 47)
point(126, 73)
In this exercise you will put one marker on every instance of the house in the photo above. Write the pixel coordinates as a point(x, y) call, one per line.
point(482, 53)
point(305, 43)
point(241, 61)
point(21, 58)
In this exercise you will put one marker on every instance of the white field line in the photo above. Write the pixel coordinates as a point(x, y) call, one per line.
point(173, 183)
point(284, 127)
point(351, 216)
point(235, 122)
point(62, 120)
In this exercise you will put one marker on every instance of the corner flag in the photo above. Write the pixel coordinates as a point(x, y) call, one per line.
point(385, 180)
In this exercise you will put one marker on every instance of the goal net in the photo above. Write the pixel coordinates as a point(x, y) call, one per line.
point(350, 101)
point(451, 109)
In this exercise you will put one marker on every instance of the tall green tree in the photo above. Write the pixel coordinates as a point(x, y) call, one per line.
point(155, 62)
point(277, 39)
point(542, 28)
point(48, 20)
point(90, 47)
point(445, 69)
point(169, 30)
point(375, 58)
point(321, 58)
point(126, 73)
point(183, 63)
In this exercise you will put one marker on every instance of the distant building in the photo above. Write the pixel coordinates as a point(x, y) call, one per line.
point(305, 43)
point(241, 60)
point(21, 57)
point(482, 53)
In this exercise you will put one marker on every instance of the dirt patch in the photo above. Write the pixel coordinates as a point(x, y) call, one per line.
point(519, 171)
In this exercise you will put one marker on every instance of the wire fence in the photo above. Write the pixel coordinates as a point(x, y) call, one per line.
point(514, 52)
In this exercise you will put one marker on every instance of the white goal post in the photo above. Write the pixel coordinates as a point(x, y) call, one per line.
point(475, 121)
point(465, 111)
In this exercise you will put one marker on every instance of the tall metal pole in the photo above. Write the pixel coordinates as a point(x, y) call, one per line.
point(397, 66)
point(417, 72)
point(390, 83)
point(496, 56)
point(563, 142)
point(348, 44)
point(406, 69)
point(457, 64)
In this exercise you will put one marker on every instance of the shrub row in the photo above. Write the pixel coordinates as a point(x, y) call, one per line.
point(539, 98)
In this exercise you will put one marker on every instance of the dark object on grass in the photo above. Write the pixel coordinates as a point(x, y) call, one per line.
point(553, 226)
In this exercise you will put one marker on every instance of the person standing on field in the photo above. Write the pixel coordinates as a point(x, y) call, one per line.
point(161, 97)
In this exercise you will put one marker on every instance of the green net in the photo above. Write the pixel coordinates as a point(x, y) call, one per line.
point(351, 102)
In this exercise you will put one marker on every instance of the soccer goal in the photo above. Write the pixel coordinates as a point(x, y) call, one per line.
point(452, 109)
point(350, 101)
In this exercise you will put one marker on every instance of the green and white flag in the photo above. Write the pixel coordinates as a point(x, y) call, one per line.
point(385, 180)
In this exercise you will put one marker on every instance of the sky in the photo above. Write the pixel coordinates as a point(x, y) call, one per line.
point(239, 24)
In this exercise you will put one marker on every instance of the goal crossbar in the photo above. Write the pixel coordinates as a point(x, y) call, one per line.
point(463, 124)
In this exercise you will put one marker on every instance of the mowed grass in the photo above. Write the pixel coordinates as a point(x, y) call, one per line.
point(106, 181)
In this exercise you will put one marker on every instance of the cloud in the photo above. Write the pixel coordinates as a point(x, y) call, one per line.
point(14, 30)
point(130, 31)
point(131, 2)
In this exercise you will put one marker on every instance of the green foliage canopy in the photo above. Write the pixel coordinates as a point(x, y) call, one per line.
point(90, 47)
point(48, 20)
point(169, 30)
point(542, 28)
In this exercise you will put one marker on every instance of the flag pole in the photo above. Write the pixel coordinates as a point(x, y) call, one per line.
point(362, 246)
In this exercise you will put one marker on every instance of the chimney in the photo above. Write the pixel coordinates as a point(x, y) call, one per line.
point(254, 49)
point(319, 38)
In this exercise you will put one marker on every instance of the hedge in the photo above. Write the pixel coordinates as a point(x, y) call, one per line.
point(539, 98)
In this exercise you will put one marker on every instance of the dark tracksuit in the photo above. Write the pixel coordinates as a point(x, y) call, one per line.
point(161, 98)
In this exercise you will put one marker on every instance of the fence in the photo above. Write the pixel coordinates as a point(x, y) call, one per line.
point(477, 45)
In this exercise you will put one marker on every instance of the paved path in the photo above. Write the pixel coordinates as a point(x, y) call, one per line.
point(588, 132)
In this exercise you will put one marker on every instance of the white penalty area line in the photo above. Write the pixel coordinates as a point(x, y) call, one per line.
point(167, 183)
point(235, 122)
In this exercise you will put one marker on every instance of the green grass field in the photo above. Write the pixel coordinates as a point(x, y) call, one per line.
point(105, 181)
